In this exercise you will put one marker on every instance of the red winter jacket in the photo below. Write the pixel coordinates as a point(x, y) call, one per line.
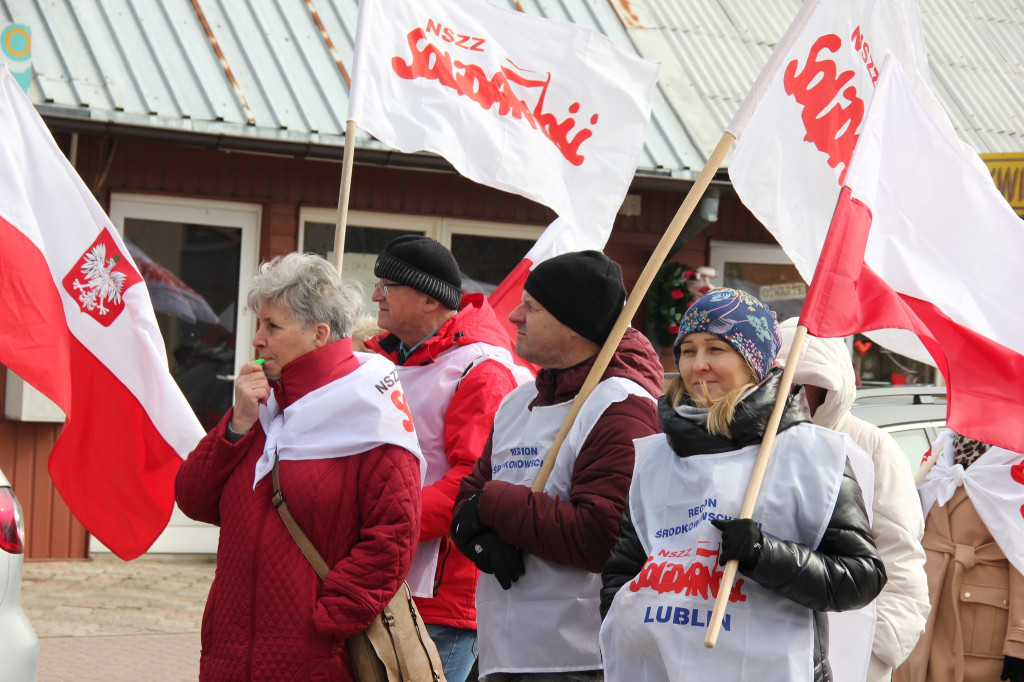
point(581, 530)
point(467, 425)
point(268, 616)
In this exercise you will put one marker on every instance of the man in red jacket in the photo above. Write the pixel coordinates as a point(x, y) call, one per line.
point(455, 364)
point(538, 609)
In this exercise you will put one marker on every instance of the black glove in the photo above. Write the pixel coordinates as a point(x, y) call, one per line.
point(466, 524)
point(741, 539)
point(1013, 669)
point(493, 555)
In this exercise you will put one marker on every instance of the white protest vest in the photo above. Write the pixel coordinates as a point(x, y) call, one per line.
point(550, 618)
point(360, 411)
point(429, 390)
point(995, 485)
point(654, 631)
point(851, 634)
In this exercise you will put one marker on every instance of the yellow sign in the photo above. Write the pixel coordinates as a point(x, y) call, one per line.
point(1008, 174)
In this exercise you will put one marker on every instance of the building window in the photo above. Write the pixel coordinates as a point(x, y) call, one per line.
point(765, 271)
point(486, 252)
point(198, 260)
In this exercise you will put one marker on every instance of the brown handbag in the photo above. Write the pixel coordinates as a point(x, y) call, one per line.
point(395, 647)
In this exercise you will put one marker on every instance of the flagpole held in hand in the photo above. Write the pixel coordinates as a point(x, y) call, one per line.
point(343, 194)
point(756, 479)
point(633, 302)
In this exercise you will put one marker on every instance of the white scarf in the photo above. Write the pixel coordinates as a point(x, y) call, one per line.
point(358, 412)
point(995, 485)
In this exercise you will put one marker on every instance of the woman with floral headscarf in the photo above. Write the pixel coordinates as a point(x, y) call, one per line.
point(806, 550)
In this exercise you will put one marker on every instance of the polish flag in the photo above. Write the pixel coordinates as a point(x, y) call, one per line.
point(922, 240)
point(559, 237)
point(797, 129)
point(80, 328)
point(546, 109)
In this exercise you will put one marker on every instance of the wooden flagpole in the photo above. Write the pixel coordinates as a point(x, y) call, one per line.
point(756, 478)
point(343, 194)
point(923, 470)
point(633, 302)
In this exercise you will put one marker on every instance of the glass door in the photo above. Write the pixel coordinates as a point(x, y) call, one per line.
point(197, 259)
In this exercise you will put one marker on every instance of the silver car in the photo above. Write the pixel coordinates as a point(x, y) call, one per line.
point(913, 415)
point(19, 645)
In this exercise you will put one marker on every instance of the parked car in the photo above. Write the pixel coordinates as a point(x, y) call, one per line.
point(19, 645)
point(913, 415)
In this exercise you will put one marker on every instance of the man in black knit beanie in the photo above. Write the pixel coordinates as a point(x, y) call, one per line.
point(455, 363)
point(537, 610)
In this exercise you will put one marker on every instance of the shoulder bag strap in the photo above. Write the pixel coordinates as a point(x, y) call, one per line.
point(392, 631)
point(315, 560)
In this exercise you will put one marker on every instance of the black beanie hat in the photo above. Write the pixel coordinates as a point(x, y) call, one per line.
point(424, 265)
point(583, 290)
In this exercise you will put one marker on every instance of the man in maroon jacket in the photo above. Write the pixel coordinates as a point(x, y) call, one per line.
point(455, 364)
point(537, 609)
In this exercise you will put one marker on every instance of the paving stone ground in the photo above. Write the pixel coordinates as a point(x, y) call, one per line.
point(117, 621)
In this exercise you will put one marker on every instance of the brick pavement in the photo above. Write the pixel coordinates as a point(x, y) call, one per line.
point(107, 619)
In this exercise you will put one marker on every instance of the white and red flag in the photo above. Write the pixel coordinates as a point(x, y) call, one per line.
point(79, 327)
point(922, 240)
point(546, 109)
point(797, 129)
point(559, 237)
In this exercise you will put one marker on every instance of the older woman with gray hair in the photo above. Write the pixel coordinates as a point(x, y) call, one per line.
point(332, 425)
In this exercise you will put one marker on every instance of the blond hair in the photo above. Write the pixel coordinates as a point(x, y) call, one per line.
point(365, 329)
point(720, 410)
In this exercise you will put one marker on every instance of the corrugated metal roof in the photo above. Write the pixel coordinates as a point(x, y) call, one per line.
point(712, 50)
point(976, 53)
point(273, 72)
point(252, 72)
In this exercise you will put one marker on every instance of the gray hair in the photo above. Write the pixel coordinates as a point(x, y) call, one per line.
point(312, 291)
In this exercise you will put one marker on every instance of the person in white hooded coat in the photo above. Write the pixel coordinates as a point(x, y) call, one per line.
point(897, 523)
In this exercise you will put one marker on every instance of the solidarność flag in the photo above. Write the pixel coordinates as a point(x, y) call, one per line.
point(546, 109)
point(797, 129)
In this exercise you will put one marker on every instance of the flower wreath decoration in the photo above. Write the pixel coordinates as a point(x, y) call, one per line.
point(673, 291)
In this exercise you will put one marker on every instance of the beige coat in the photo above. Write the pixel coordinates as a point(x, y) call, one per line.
point(977, 600)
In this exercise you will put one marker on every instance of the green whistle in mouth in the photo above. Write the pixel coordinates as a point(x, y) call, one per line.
point(260, 361)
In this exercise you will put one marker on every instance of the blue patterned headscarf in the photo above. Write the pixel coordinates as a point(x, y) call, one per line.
point(738, 318)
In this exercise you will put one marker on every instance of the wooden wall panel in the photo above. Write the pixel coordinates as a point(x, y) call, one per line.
point(736, 223)
point(51, 532)
point(282, 228)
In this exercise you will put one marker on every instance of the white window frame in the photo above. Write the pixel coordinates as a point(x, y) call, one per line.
point(722, 252)
point(246, 217)
point(481, 228)
point(435, 227)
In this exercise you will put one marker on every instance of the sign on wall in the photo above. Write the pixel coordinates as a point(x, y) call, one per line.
point(1008, 174)
point(16, 52)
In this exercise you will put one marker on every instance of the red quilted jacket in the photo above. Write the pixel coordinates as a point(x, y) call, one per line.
point(268, 616)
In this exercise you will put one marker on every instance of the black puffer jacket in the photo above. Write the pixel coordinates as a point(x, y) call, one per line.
point(843, 572)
